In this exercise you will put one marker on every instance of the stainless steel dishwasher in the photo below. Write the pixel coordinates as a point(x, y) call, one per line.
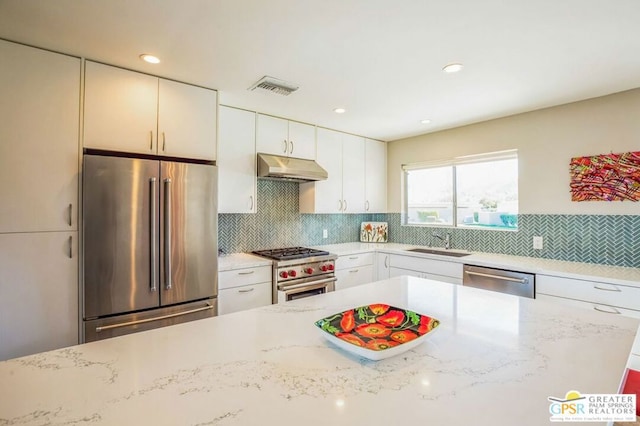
point(511, 282)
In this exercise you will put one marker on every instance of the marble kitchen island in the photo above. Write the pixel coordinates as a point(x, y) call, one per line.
point(494, 360)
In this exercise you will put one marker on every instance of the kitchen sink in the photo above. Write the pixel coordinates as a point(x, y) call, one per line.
point(439, 252)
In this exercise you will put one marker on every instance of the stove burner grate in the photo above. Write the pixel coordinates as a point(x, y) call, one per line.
point(289, 253)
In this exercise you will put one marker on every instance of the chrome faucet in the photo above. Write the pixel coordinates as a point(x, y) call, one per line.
point(446, 239)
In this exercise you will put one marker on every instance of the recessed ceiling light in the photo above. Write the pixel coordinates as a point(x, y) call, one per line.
point(339, 110)
point(451, 68)
point(425, 121)
point(150, 58)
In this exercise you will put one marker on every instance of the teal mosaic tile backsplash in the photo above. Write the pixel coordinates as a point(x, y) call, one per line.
point(606, 239)
point(278, 223)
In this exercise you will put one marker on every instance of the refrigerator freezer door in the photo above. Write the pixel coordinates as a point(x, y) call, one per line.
point(188, 232)
point(119, 232)
point(103, 328)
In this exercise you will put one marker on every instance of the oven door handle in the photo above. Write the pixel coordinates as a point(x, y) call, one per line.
point(310, 285)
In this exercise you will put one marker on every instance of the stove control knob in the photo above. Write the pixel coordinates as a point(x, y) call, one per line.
point(331, 266)
point(284, 274)
point(292, 273)
point(324, 268)
point(309, 271)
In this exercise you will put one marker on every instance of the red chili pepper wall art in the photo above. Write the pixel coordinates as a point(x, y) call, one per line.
point(607, 177)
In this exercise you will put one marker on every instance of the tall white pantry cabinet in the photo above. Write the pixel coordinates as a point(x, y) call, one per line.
point(40, 113)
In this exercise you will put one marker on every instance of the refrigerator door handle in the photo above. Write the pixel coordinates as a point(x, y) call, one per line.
point(167, 234)
point(153, 233)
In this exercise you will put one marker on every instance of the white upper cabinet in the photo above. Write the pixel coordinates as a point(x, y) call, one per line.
point(133, 112)
point(302, 140)
point(237, 161)
point(325, 196)
point(39, 106)
point(186, 120)
point(376, 176)
point(272, 135)
point(120, 109)
point(286, 138)
point(353, 153)
point(342, 156)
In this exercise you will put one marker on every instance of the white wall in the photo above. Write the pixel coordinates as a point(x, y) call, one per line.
point(546, 140)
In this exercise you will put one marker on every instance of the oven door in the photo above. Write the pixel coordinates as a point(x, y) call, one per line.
point(291, 291)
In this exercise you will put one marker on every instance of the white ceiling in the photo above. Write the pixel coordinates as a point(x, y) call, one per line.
point(380, 59)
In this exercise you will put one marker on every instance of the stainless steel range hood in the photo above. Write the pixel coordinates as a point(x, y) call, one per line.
point(287, 168)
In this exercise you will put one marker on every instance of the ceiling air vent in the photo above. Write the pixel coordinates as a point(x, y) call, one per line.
point(274, 85)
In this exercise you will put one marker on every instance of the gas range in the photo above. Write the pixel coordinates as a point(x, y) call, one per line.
point(291, 253)
point(300, 272)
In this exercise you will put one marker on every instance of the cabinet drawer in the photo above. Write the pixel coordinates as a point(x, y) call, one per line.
point(353, 260)
point(245, 276)
point(245, 297)
point(354, 276)
point(601, 308)
point(396, 272)
point(430, 266)
point(589, 291)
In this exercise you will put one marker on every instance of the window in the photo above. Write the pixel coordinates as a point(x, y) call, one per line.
point(477, 191)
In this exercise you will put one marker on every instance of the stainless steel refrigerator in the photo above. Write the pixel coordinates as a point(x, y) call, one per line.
point(149, 244)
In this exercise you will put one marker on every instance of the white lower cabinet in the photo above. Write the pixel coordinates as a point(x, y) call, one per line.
point(383, 266)
point(602, 297)
point(603, 309)
point(243, 298)
point(354, 269)
point(396, 272)
point(245, 288)
point(439, 270)
point(38, 292)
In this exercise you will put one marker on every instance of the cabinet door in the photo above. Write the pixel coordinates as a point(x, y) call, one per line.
point(397, 272)
point(589, 291)
point(352, 277)
point(325, 196)
point(602, 309)
point(38, 292)
point(354, 260)
point(375, 176)
point(39, 106)
point(244, 276)
point(242, 298)
point(272, 135)
point(120, 109)
point(382, 266)
point(429, 266)
point(353, 174)
point(237, 161)
point(302, 140)
point(186, 120)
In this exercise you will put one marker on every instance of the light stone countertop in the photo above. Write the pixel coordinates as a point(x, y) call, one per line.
point(559, 268)
point(228, 262)
point(494, 360)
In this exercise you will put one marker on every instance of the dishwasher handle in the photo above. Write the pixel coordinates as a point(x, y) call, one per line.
point(499, 277)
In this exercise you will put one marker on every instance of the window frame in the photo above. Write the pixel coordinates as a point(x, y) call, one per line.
point(453, 162)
